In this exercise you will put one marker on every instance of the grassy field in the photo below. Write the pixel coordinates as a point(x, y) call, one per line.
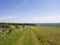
point(29, 35)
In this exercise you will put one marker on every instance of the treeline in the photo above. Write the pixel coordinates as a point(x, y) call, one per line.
point(28, 24)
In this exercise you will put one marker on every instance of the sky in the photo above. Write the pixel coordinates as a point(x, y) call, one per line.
point(30, 11)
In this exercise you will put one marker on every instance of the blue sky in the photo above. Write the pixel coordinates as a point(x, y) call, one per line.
point(30, 11)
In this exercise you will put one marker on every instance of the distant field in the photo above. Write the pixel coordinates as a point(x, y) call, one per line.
point(29, 35)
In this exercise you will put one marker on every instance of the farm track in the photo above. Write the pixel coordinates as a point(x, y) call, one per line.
point(35, 39)
point(20, 41)
point(28, 38)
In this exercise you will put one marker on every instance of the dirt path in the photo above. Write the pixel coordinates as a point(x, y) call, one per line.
point(20, 42)
point(35, 40)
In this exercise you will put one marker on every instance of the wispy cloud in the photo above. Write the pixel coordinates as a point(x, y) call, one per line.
point(19, 6)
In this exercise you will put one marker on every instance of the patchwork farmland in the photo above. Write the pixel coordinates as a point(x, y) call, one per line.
point(20, 34)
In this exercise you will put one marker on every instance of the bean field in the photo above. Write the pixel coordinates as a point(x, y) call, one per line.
point(29, 35)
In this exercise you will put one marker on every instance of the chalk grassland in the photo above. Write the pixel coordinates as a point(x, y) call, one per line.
point(29, 35)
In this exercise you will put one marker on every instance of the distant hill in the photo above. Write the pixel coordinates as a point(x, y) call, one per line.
point(48, 24)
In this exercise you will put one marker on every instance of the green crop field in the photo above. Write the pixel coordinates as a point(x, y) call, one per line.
point(11, 34)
